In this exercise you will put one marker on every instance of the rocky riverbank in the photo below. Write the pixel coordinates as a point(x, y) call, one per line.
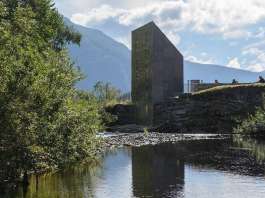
point(152, 138)
point(232, 159)
point(201, 150)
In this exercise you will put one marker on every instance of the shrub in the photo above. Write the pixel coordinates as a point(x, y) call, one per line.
point(254, 125)
point(44, 121)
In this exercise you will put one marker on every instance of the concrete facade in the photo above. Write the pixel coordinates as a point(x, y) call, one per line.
point(157, 70)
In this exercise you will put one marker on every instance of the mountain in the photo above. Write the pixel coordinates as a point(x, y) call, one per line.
point(102, 58)
point(210, 73)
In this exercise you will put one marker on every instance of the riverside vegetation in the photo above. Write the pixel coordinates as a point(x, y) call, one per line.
point(253, 126)
point(45, 122)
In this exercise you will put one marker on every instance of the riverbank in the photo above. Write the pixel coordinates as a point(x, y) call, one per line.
point(215, 110)
point(227, 154)
point(109, 140)
point(153, 138)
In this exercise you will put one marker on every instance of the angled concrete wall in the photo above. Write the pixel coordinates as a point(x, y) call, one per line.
point(157, 70)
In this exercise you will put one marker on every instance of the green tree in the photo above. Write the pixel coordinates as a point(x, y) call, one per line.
point(44, 122)
point(106, 93)
point(253, 126)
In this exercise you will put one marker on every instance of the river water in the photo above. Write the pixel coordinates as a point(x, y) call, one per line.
point(190, 169)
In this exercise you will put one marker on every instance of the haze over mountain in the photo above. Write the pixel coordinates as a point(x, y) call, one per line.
point(102, 58)
point(210, 73)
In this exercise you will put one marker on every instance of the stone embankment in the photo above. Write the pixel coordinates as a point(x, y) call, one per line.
point(215, 110)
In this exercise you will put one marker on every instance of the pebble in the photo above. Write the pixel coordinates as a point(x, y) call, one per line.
point(153, 138)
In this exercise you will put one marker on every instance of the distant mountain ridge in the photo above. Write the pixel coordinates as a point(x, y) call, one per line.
point(102, 58)
point(210, 73)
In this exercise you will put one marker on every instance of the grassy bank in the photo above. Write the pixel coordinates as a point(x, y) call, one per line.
point(225, 88)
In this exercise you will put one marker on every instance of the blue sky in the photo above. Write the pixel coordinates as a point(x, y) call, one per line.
point(223, 32)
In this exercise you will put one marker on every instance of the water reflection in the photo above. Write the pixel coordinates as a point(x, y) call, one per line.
point(209, 168)
point(104, 180)
point(157, 170)
point(256, 147)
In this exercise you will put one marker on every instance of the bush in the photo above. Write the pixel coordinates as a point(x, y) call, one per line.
point(254, 125)
point(45, 122)
point(106, 93)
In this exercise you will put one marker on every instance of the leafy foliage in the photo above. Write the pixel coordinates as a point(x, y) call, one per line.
point(254, 125)
point(44, 121)
point(106, 93)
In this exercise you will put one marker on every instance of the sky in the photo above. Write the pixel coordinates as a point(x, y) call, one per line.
point(222, 32)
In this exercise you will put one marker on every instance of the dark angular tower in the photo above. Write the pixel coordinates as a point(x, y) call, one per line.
point(157, 70)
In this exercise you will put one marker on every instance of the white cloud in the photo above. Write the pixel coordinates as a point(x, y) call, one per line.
point(235, 34)
point(97, 15)
point(260, 33)
point(173, 37)
point(224, 17)
point(256, 68)
point(132, 18)
point(70, 7)
point(125, 41)
point(251, 51)
point(256, 54)
point(159, 12)
point(259, 44)
point(203, 60)
point(231, 20)
point(234, 63)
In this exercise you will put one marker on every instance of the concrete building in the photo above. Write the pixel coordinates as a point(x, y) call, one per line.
point(157, 70)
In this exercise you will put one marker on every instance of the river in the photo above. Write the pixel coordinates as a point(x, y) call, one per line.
point(187, 169)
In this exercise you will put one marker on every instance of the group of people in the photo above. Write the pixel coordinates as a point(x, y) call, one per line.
point(234, 81)
point(261, 79)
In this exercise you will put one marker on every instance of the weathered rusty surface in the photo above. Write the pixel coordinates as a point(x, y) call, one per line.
point(157, 70)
